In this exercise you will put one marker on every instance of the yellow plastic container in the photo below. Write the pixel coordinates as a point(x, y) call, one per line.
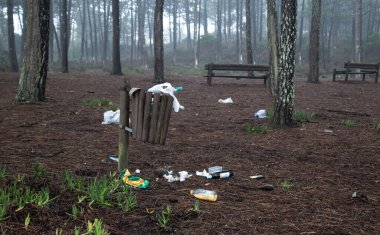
point(204, 194)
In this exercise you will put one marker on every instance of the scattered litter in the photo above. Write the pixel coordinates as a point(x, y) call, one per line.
point(167, 88)
point(183, 175)
point(111, 117)
point(159, 172)
point(137, 171)
point(204, 194)
point(257, 177)
point(133, 181)
point(225, 101)
point(113, 158)
point(203, 173)
point(214, 169)
point(221, 175)
point(360, 196)
point(262, 113)
point(266, 187)
point(327, 131)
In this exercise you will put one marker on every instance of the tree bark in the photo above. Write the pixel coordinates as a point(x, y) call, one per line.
point(83, 38)
point(272, 47)
point(358, 31)
point(205, 17)
point(116, 65)
point(64, 37)
point(175, 9)
point(284, 103)
point(141, 47)
point(95, 32)
point(11, 38)
point(158, 42)
point(188, 33)
point(248, 33)
point(314, 42)
point(301, 33)
point(36, 54)
point(219, 30)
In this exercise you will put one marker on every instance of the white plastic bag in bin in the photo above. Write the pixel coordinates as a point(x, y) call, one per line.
point(167, 88)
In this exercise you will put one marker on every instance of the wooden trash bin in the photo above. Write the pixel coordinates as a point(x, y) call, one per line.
point(150, 116)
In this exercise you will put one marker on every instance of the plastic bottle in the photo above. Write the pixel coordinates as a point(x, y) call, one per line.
point(204, 194)
point(221, 175)
point(178, 89)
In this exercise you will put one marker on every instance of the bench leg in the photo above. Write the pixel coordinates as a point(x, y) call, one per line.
point(334, 74)
point(209, 81)
point(363, 76)
point(346, 77)
point(377, 75)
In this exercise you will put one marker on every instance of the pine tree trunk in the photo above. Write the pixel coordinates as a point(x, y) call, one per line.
point(219, 30)
point(64, 37)
point(36, 56)
point(272, 47)
point(237, 32)
point(284, 103)
point(175, 8)
point(11, 38)
point(141, 48)
point(314, 42)
point(83, 38)
point(158, 42)
point(116, 65)
point(248, 33)
point(188, 33)
point(205, 17)
point(301, 33)
point(95, 32)
point(91, 31)
point(358, 31)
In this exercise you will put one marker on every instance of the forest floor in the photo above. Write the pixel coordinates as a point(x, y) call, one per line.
point(315, 167)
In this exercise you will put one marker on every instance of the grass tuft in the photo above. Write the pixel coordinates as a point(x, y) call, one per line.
point(255, 128)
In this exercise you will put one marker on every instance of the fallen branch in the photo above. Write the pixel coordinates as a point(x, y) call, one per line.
point(348, 112)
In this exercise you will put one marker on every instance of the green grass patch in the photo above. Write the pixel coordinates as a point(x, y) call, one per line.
point(99, 191)
point(377, 125)
point(250, 128)
point(2, 172)
point(39, 171)
point(301, 116)
point(97, 102)
point(286, 185)
point(269, 113)
point(349, 123)
point(163, 218)
point(5, 202)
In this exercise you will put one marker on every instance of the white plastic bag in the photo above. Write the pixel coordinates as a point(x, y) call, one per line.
point(111, 117)
point(226, 101)
point(167, 88)
point(262, 113)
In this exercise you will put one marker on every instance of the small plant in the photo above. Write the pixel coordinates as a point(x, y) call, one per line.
point(99, 191)
point(72, 182)
point(349, 123)
point(2, 172)
point(96, 102)
point(76, 231)
point(269, 113)
point(163, 218)
point(39, 171)
point(126, 199)
point(27, 221)
point(96, 228)
point(20, 178)
point(75, 212)
point(195, 207)
point(255, 128)
point(302, 117)
point(81, 199)
point(42, 198)
point(377, 125)
point(286, 185)
point(58, 231)
point(4, 203)
point(21, 197)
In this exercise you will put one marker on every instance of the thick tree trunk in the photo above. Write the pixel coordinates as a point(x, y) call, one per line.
point(91, 31)
point(35, 63)
point(175, 8)
point(158, 42)
point(273, 46)
point(188, 33)
point(314, 42)
point(95, 32)
point(205, 17)
point(116, 65)
point(248, 33)
point(358, 31)
point(106, 8)
point(141, 47)
point(83, 38)
point(219, 30)
point(237, 31)
point(284, 103)
point(64, 37)
point(11, 38)
point(301, 33)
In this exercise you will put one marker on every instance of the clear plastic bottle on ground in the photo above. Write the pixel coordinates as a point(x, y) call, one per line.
point(204, 194)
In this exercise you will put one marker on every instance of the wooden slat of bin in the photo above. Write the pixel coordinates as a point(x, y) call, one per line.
point(141, 97)
point(153, 120)
point(135, 113)
point(161, 116)
point(168, 111)
point(147, 116)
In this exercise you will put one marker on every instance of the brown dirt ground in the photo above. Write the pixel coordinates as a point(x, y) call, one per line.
point(323, 168)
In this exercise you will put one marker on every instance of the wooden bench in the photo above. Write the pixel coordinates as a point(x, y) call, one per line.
point(358, 68)
point(249, 68)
